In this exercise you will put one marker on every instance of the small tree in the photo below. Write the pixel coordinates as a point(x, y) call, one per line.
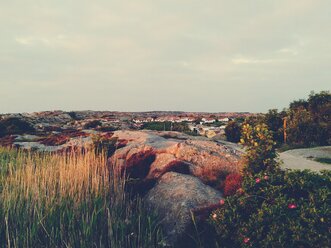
point(273, 207)
point(232, 132)
point(274, 120)
point(260, 149)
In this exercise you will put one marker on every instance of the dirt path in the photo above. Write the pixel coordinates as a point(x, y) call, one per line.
point(297, 159)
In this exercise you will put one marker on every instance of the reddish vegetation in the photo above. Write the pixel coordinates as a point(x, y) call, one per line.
point(55, 140)
point(7, 140)
point(214, 174)
point(60, 139)
point(232, 183)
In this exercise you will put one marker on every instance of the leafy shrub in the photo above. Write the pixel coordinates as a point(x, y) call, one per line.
point(274, 120)
point(260, 148)
point(14, 125)
point(323, 160)
point(274, 208)
point(232, 184)
point(92, 124)
point(309, 121)
point(215, 174)
point(232, 132)
point(167, 126)
point(285, 209)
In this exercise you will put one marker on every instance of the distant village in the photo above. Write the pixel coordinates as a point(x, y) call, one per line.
point(204, 124)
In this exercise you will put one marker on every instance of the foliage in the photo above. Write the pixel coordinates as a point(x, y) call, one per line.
point(232, 184)
point(309, 122)
point(274, 120)
point(70, 200)
point(260, 149)
point(14, 125)
point(167, 126)
point(232, 131)
point(323, 160)
point(215, 174)
point(287, 209)
point(274, 208)
point(92, 124)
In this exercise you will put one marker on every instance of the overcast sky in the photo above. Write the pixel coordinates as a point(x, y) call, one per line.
point(191, 55)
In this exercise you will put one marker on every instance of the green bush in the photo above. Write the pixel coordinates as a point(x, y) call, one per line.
point(286, 209)
point(274, 208)
point(232, 132)
point(14, 125)
point(260, 149)
point(167, 126)
point(92, 124)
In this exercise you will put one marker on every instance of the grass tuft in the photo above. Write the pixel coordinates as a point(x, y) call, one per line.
point(71, 200)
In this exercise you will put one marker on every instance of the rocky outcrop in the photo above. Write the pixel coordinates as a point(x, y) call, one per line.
point(174, 173)
point(175, 198)
point(148, 155)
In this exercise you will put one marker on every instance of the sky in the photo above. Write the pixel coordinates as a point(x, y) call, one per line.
point(141, 55)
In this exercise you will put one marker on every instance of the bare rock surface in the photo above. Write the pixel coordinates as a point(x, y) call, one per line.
point(174, 198)
point(155, 153)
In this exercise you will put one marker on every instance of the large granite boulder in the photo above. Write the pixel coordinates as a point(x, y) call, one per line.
point(148, 155)
point(175, 198)
point(174, 173)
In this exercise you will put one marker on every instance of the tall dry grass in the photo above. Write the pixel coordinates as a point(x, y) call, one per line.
point(71, 200)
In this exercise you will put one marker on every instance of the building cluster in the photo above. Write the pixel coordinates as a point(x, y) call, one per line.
point(206, 124)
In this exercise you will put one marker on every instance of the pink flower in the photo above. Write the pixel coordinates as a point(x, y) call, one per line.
point(257, 180)
point(246, 240)
point(292, 206)
point(266, 177)
point(222, 202)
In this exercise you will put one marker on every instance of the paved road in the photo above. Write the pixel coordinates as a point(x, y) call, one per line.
point(296, 159)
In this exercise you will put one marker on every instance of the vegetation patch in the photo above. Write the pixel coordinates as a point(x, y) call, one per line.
point(15, 125)
point(273, 208)
point(323, 160)
point(71, 200)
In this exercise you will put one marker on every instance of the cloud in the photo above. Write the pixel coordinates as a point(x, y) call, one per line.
point(292, 51)
point(30, 40)
point(243, 60)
